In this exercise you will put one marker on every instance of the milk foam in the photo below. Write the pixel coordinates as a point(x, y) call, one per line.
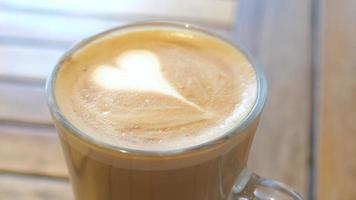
point(137, 70)
point(159, 89)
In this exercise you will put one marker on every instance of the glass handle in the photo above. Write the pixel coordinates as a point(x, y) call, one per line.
point(251, 186)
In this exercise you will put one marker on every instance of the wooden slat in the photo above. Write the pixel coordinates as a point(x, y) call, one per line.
point(277, 32)
point(212, 12)
point(27, 63)
point(33, 188)
point(48, 28)
point(23, 103)
point(55, 28)
point(31, 150)
point(337, 107)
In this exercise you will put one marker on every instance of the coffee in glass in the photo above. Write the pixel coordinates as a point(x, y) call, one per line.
point(157, 111)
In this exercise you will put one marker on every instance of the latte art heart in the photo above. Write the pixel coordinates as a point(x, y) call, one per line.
point(137, 70)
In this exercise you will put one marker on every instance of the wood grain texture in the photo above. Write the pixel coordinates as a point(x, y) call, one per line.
point(278, 34)
point(27, 63)
point(33, 188)
point(23, 103)
point(337, 108)
point(31, 150)
point(50, 28)
point(210, 12)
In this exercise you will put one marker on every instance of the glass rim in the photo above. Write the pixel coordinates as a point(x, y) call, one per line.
point(247, 120)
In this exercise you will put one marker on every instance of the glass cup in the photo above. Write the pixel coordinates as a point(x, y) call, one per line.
point(215, 170)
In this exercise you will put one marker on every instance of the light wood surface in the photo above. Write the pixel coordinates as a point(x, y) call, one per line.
point(278, 33)
point(51, 29)
point(337, 102)
point(27, 63)
point(33, 188)
point(218, 13)
point(32, 150)
point(23, 103)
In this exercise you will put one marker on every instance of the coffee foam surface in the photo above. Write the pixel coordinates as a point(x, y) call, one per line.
point(156, 89)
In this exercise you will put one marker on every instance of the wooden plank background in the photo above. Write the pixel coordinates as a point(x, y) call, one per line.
point(33, 188)
point(32, 150)
point(281, 146)
point(33, 34)
point(337, 109)
point(217, 13)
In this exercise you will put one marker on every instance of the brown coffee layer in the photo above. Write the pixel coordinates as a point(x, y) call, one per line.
point(157, 88)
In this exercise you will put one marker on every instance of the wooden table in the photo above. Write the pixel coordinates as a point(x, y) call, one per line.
point(307, 136)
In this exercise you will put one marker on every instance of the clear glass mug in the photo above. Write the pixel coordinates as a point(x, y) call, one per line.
point(215, 170)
